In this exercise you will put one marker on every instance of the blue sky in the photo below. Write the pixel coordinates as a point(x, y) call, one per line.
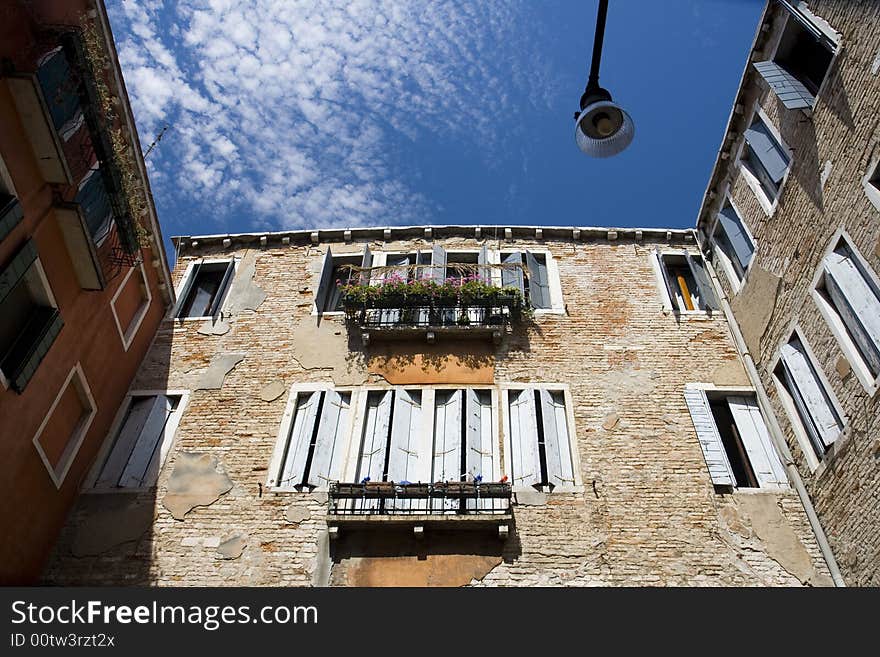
point(289, 114)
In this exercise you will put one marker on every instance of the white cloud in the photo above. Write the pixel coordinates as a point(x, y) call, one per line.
point(288, 111)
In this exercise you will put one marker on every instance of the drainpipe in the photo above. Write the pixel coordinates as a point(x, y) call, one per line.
point(773, 426)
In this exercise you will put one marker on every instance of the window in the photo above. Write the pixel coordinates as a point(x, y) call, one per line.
point(10, 209)
point(807, 397)
point(313, 440)
point(29, 317)
point(764, 158)
point(141, 442)
point(871, 184)
point(685, 281)
point(336, 271)
point(130, 304)
point(848, 295)
point(734, 242)
point(205, 286)
point(734, 438)
point(539, 439)
point(528, 272)
point(65, 426)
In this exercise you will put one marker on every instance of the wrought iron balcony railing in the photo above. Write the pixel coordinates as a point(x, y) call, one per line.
point(451, 498)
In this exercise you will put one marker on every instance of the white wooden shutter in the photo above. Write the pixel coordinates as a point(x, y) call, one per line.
point(539, 282)
point(524, 457)
point(768, 151)
point(790, 91)
point(512, 275)
point(857, 302)
point(756, 439)
point(483, 271)
point(710, 439)
point(299, 439)
point(809, 393)
point(147, 445)
point(403, 459)
point(701, 276)
point(557, 446)
point(375, 441)
point(447, 436)
point(366, 263)
point(111, 472)
point(327, 458)
point(737, 237)
point(438, 264)
point(325, 282)
point(479, 447)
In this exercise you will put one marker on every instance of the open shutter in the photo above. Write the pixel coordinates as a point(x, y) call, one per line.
point(221, 291)
point(128, 436)
point(403, 459)
point(483, 271)
point(366, 263)
point(739, 241)
point(753, 432)
point(539, 282)
point(479, 448)
point(375, 443)
point(438, 264)
point(707, 292)
point(557, 446)
point(187, 289)
point(767, 150)
point(710, 439)
point(664, 277)
point(524, 457)
point(512, 276)
point(327, 457)
point(809, 394)
point(789, 90)
point(325, 282)
point(300, 439)
point(447, 437)
point(146, 448)
point(858, 304)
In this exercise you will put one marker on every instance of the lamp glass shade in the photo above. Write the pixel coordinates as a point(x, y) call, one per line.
point(595, 120)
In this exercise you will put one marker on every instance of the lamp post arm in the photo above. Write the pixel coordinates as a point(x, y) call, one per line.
point(593, 80)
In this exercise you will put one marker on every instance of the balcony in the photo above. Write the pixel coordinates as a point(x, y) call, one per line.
point(406, 307)
point(442, 505)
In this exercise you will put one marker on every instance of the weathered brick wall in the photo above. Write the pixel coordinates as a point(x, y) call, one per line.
point(832, 152)
point(648, 513)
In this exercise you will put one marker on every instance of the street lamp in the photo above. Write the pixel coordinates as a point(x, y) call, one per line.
point(603, 128)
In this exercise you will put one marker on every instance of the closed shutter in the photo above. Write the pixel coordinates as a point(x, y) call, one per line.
point(512, 275)
point(59, 87)
point(524, 457)
point(858, 304)
point(809, 394)
point(327, 459)
point(483, 271)
point(767, 150)
point(788, 89)
point(557, 446)
point(539, 282)
point(325, 282)
point(138, 411)
point(375, 440)
point(438, 264)
point(217, 303)
point(146, 448)
point(756, 439)
point(447, 436)
point(701, 276)
point(479, 449)
point(739, 241)
point(299, 439)
point(710, 439)
point(403, 459)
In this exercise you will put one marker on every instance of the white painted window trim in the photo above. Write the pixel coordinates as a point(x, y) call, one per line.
point(729, 270)
point(872, 192)
point(835, 322)
point(767, 204)
point(75, 441)
point(726, 391)
point(800, 432)
point(505, 388)
point(170, 439)
point(655, 257)
point(127, 335)
point(172, 314)
point(317, 281)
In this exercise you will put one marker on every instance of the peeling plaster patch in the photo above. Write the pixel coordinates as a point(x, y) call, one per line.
point(245, 294)
point(877, 249)
point(320, 347)
point(531, 498)
point(272, 391)
point(875, 67)
point(440, 363)
point(321, 562)
point(194, 482)
point(617, 383)
point(297, 514)
point(110, 520)
point(434, 570)
point(826, 172)
point(213, 377)
point(843, 368)
point(211, 542)
point(611, 421)
point(754, 306)
point(232, 547)
point(730, 373)
point(320, 497)
point(211, 327)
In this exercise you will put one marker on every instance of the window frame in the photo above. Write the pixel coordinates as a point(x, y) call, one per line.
point(835, 322)
point(184, 283)
point(128, 334)
point(378, 260)
point(668, 306)
point(68, 456)
point(814, 461)
point(872, 191)
point(733, 278)
point(557, 299)
point(767, 204)
point(165, 449)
